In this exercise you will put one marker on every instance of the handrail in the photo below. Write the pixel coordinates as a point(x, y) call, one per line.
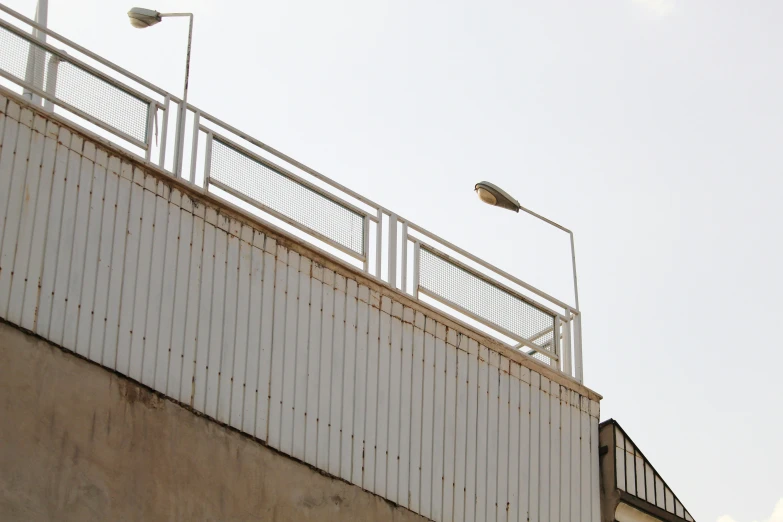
point(388, 227)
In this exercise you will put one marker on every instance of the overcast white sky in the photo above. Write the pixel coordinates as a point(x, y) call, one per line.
point(652, 128)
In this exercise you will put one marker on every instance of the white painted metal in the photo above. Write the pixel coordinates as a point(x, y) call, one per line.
point(86, 309)
point(428, 403)
point(338, 365)
point(349, 380)
point(634, 473)
point(544, 469)
point(360, 383)
point(289, 356)
point(525, 448)
point(554, 451)
point(379, 245)
point(404, 258)
point(195, 295)
point(514, 411)
point(392, 251)
point(265, 352)
point(395, 377)
point(156, 98)
point(32, 287)
point(194, 147)
point(313, 365)
point(450, 434)
point(407, 398)
point(472, 481)
point(417, 419)
point(482, 435)
point(325, 380)
point(16, 241)
point(565, 454)
point(315, 361)
point(438, 422)
point(371, 414)
point(492, 435)
point(382, 430)
point(504, 416)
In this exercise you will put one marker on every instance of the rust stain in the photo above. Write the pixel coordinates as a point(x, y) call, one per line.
point(133, 394)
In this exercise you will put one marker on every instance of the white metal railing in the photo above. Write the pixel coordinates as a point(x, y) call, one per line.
point(106, 99)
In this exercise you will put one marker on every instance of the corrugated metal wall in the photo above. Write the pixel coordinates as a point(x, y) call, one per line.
point(103, 259)
point(635, 475)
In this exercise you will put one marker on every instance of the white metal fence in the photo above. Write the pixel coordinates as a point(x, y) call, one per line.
point(136, 115)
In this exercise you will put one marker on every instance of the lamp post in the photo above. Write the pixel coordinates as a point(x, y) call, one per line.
point(495, 196)
point(141, 18)
point(35, 63)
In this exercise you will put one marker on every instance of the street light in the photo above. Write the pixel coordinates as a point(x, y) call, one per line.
point(497, 197)
point(141, 18)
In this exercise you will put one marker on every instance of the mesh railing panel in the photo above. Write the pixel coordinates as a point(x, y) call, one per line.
point(463, 288)
point(75, 86)
point(290, 198)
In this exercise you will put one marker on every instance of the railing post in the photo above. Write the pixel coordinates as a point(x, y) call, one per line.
point(179, 138)
point(416, 257)
point(164, 133)
point(36, 55)
point(194, 147)
point(207, 160)
point(393, 250)
point(52, 69)
point(151, 113)
point(404, 258)
point(366, 243)
point(566, 345)
point(578, 347)
point(556, 343)
point(379, 245)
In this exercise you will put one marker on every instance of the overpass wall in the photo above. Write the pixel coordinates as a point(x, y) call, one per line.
point(163, 283)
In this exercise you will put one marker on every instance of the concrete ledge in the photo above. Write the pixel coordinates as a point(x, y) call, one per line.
point(78, 442)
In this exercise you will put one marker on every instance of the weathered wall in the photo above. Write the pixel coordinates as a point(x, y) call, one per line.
point(78, 443)
point(174, 288)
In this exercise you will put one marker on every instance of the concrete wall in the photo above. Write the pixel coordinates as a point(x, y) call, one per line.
point(78, 442)
point(166, 284)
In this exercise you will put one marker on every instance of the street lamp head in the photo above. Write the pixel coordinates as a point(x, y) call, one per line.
point(141, 18)
point(496, 196)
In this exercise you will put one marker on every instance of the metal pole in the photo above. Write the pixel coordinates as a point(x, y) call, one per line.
point(34, 56)
point(183, 106)
point(573, 266)
point(51, 81)
point(573, 255)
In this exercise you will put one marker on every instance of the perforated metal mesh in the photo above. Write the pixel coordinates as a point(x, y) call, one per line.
point(290, 198)
point(74, 86)
point(463, 288)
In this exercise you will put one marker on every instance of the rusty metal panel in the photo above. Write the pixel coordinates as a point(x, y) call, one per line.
point(317, 362)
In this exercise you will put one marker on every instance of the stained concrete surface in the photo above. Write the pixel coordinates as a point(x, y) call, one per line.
point(78, 443)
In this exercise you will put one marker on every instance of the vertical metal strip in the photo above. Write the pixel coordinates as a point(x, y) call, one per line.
point(194, 147)
point(164, 133)
point(379, 245)
point(404, 259)
point(578, 347)
point(207, 161)
point(393, 250)
point(151, 110)
point(566, 344)
point(556, 343)
point(416, 257)
point(52, 69)
point(182, 115)
point(366, 244)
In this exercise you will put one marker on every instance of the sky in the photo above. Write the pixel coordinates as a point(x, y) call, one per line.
point(651, 128)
